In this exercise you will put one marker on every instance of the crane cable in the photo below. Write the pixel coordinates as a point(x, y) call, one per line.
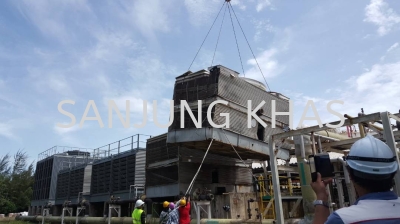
point(234, 33)
point(219, 34)
point(206, 36)
point(229, 5)
point(249, 46)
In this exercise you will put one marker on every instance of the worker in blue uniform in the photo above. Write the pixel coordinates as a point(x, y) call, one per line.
point(372, 166)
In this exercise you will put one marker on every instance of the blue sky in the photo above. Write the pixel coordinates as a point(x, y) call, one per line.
point(132, 50)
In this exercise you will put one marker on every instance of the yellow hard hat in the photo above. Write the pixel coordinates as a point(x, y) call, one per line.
point(165, 204)
point(183, 202)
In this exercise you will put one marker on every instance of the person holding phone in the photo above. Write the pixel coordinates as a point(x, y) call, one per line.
point(372, 166)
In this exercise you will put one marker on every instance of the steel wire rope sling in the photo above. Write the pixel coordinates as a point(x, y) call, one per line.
point(198, 170)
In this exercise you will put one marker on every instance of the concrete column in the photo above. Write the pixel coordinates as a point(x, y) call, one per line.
point(303, 149)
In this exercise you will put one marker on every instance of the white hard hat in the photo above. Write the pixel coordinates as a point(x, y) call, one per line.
point(139, 203)
point(370, 155)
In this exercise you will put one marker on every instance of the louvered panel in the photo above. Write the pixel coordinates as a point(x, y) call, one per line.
point(188, 170)
point(238, 121)
point(162, 176)
point(239, 91)
point(140, 168)
point(157, 150)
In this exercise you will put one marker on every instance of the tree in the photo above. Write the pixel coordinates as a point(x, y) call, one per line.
point(16, 183)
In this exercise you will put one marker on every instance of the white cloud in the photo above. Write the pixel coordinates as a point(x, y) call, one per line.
point(379, 13)
point(261, 4)
point(6, 131)
point(151, 16)
point(203, 11)
point(268, 63)
point(63, 131)
point(47, 16)
point(262, 26)
point(394, 46)
point(239, 4)
point(375, 91)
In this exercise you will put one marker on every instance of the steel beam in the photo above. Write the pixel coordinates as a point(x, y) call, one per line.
point(351, 141)
point(305, 131)
point(275, 181)
point(390, 141)
point(293, 169)
point(395, 117)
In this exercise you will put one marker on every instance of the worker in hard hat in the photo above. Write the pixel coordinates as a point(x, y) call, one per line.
point(173, 216)
point(372, 166)
point(171, 206)
point(184, 211)
point(164, 213)
point(139, 215)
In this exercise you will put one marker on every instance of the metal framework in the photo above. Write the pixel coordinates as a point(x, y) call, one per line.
point(388, 136)
point(117, 208)
point(46, 212)
point(198, 206)
point(78, 211)
point(69, 211)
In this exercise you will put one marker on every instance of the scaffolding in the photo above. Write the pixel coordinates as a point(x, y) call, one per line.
point(289, 186)
point(364, 121)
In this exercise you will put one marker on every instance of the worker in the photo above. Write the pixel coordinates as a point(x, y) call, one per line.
point(173, 217)
point(372, 166)
point(184, 211)
point(164, 213)
point(171, 206)
point(139, 215)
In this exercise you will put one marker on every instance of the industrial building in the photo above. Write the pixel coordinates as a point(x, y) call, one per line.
point(66, 178)
point(212, 165)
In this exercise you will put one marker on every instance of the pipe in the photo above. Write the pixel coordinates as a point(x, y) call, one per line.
point(313, 143)
point(121, 202)
point(128, 220)
point(331, 135)
point(302, 149)
point(319, 144)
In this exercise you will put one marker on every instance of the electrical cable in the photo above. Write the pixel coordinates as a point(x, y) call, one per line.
point(249, 46)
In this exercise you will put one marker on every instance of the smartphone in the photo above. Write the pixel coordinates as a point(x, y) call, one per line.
point(321, 163)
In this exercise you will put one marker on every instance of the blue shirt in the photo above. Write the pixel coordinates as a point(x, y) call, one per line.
point(334, 218)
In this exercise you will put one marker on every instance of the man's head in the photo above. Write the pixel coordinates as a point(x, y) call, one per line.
point(171, 206)
point(372, 164)
point(139, 204)
point(165, 204)
point(182, 202)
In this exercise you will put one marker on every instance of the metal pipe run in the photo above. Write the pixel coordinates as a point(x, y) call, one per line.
point(128, 220)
